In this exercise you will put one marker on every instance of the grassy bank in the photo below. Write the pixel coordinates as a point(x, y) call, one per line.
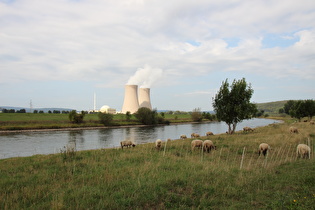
point(174, 177)
point(27, 121)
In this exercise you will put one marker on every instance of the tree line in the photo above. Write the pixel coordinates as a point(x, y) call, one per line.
point(299, 109)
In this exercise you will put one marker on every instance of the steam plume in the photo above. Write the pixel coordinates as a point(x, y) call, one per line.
point(145, 77)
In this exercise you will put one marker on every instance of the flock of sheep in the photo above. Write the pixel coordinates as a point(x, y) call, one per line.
point(302, 150)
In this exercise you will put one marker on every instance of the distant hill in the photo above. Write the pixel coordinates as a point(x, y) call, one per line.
point(271, 107)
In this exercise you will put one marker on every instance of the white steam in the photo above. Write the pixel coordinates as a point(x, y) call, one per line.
point(145, 77)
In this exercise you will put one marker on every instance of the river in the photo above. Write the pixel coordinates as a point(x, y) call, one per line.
point(49, 142)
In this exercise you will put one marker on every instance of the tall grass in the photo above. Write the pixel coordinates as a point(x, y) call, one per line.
point(171, 178)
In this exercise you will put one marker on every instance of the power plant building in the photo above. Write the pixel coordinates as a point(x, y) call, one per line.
point(131, 100)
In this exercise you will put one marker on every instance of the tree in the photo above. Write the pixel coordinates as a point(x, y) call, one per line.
point(232, 103)
point(300, 108)
point(196, 115)
point(105, 118)
point(146, 116)
point(75, 117)
point(128, 116)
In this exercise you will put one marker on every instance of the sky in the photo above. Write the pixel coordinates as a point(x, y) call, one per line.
point(60, 53)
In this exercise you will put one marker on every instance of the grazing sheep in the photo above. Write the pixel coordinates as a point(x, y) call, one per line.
point(194, 135)
point(247, 129)
point(196, 143)
point(293, 130)
point(158, 144)
point(208, 146)
point(209, 133)
point(127, 143)
point(263, 148)
point(303, 151)
point(312, 122)
point(183, 137)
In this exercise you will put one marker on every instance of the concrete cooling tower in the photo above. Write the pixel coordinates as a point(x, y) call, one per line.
point(131, 103)
point(144, 98)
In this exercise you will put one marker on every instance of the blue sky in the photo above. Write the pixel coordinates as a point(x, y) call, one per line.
point(59, 53)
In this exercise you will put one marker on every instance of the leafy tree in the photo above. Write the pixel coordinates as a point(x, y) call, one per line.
point(288, 106)
point(300, 108)
point(105, 118)
point(35, 111)
point(196, 115)
point(128, 116)
point(146, 116)
point(232, 103)
point(75, 117)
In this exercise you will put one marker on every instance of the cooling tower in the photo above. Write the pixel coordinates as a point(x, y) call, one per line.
point(144, 98)
point(131, 103)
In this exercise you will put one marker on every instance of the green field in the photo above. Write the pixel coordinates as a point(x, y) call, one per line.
point(21, 121)
point(171, 178)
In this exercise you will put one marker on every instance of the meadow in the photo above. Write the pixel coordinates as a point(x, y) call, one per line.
point(231, 177)
point(27, 121)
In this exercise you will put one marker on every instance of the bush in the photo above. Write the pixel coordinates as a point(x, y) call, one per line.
point(196, 115)
point(147, 116)
point(74, 117)
point(105, 118)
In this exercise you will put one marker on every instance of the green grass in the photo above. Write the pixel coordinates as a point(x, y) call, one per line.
point(174, 178)
point(22, 121)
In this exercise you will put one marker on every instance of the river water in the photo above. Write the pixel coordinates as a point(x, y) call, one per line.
point(50, 142)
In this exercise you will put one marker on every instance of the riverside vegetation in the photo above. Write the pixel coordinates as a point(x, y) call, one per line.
point(231, 177)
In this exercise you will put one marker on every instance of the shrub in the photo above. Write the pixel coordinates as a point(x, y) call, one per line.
point(105, 118)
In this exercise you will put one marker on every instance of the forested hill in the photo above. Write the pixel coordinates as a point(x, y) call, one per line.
point(271, 107)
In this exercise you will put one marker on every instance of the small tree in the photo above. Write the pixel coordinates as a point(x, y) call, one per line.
point(105, 118)
point(128, 116)
point(232, 103)
point(75, 117)
point(196, 115)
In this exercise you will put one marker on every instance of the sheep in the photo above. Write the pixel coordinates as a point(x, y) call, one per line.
point(158, 144)
point(263, 148)
point(127, 143)
point(303, 151)
point(312, 122)
point(183, 137)
point(209, 133)
point(196, 143)
point(293, 130)
point(194, 135)
point(247, 129)
point(208, 146)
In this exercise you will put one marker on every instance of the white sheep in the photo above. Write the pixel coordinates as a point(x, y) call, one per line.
point(158, 144)
point(247, 129)
point(127, 143)
point(303, 151)
point(208, 146)
point(209, 133)
point(293, 130)
point(196, 143)
point(183, 137)
point(263, 148)
point(312, 122)
point(194, 135)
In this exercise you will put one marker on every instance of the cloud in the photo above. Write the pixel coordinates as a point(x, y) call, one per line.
point(146, 77)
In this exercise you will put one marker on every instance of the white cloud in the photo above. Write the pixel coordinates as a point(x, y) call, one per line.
point(107, 41)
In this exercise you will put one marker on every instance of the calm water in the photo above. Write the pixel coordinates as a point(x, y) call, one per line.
point(49, 142)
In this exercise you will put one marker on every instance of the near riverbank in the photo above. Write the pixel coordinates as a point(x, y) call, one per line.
point(231, 177)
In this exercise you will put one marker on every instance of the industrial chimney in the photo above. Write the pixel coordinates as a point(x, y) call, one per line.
point(144, 98)
point(131, 103)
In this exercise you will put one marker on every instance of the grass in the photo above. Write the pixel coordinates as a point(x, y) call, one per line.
point(23, 121)
point(173, 178)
